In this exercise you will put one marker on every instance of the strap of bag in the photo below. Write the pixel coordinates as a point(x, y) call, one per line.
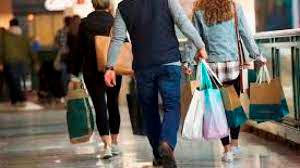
point(241, 52)
point(213, 74)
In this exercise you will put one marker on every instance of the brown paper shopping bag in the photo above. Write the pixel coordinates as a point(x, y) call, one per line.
point(267, 100)
point(125, 58)
point(187, 91)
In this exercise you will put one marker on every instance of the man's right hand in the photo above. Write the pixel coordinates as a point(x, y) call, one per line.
point(202, 54)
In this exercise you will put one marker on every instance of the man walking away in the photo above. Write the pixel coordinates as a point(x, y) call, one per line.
point(156, 63)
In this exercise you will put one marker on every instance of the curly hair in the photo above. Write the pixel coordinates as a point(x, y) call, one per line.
point(215, 11)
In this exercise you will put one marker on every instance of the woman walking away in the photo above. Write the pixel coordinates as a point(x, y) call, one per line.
point(215, 21)
point(99, 22)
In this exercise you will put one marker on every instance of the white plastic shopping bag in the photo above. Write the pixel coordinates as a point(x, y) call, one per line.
point(192, 126)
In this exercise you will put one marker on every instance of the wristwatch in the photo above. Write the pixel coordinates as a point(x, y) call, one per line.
point(111, 68)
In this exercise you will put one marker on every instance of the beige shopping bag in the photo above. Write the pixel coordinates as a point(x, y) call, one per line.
point(187, 90)
point(125, 58)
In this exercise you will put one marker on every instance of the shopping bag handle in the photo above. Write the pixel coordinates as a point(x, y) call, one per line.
point(263, 75)
point(203, 77)
point(213, 74)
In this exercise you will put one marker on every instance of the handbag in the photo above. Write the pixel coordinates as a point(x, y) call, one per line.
point(244, 84)
point(124, 62)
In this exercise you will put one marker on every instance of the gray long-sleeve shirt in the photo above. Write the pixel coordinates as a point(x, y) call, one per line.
point(119, 32)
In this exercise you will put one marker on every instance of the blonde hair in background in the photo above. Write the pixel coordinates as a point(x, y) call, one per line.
point(101, 4)
point(215, 11)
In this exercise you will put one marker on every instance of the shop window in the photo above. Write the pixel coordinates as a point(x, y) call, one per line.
point(276, 14)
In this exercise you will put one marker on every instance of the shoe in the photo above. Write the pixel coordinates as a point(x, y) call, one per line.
point(115, 149)
point(107, 153)
point(167, 155)
point(157, 162)
point(236, 151)
point(227, 157)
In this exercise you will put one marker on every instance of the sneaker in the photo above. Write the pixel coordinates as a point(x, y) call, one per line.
point(157, 162)
point(227, 157)
point(236, 151)
point(107, 153)
point(167, 155)
point(115, 149)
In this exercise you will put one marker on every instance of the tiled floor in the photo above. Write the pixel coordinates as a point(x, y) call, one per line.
point(40, 140)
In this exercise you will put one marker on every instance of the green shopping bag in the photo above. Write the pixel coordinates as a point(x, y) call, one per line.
point(267, 100)
point(79, 116)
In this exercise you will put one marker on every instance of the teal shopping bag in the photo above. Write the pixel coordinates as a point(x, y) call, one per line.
point(267, 100)
point(215, 124)
point(80, 118)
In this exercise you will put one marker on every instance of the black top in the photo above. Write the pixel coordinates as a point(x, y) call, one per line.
point(97, 23)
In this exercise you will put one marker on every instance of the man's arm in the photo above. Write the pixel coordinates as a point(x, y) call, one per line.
point(119, 31)
point(184, 24)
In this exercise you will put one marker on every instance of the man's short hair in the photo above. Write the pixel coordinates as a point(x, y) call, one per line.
point(101, 4)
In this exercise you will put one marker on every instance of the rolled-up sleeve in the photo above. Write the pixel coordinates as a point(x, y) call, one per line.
point(119, 32)
point(184, 24)
point(246, 35)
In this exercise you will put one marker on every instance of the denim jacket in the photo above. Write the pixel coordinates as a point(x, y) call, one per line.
point(220, 39)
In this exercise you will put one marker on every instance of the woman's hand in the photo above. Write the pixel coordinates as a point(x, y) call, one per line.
point(202, 54)
point(186, 69)
point(260, 61)
point(110, 78)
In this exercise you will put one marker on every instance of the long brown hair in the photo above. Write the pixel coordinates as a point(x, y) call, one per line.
point(215, 11)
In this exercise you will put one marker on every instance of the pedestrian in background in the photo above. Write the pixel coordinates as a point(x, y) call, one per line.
point(16, 53)
point(99, 23)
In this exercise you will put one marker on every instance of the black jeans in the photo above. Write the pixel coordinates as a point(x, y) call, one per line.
point(107, 123)
point(234, 132)
point(13, 75)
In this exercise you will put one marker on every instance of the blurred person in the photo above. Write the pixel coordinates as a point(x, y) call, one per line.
point(62, 77)
point(96, 23)
point(72, 41)
point(14, 27)
point(2, 30)
point(14, 56)
point(157, 66)
point(214, 20)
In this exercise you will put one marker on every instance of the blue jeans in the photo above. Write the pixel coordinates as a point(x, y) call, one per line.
point(166, 81)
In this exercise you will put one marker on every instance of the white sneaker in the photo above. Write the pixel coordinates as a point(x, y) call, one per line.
point(107, 153)
point(115, 149)
point(227, 157)
point(236, 151)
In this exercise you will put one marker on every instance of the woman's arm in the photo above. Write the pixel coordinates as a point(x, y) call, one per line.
point(118, 38)
point(76, 60)
point(246, 34)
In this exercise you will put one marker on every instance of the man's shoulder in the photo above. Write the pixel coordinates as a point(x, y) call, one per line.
point(125, 3)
